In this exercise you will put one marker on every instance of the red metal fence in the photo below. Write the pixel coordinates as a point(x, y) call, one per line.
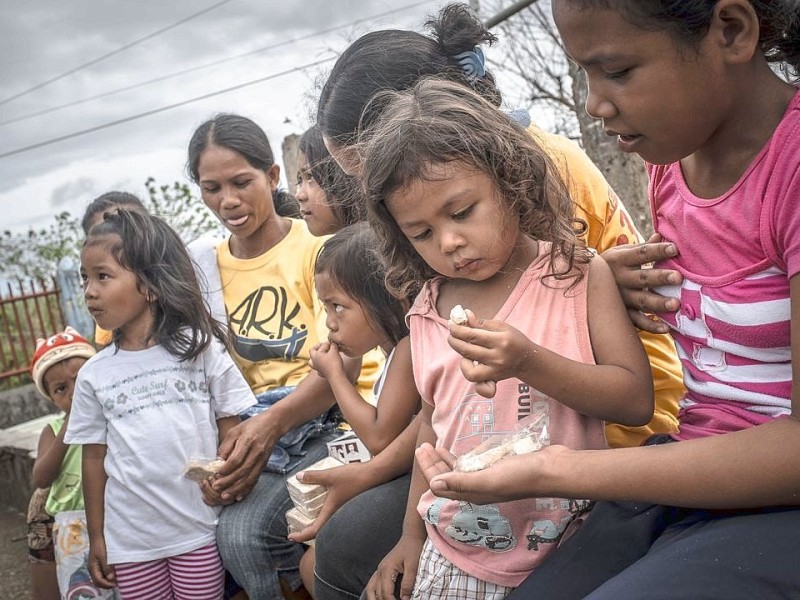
point(29, 309)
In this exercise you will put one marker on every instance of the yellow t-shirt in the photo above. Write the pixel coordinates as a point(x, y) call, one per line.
point(610, 225)
point(274, 314)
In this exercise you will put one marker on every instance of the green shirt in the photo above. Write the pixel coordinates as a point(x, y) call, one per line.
point(65, 491)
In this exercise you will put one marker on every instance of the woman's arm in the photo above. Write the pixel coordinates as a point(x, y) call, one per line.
point(49, 456)
point(94, 489)
point(755, 467)
point(247, 446)
point(618, 388)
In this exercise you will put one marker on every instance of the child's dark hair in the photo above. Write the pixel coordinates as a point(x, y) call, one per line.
point(439, 122)
point(689, 20)
point(109, 201)
point(394, 59)
point(351, 260)
point(245, 137)
point(342, 190)
point(151, 250)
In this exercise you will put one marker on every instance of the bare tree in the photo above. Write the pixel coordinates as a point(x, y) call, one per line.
point(556, 90)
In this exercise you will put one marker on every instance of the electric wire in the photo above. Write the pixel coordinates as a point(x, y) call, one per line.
point(103, 57)
point(134, 86)
point(154, 111)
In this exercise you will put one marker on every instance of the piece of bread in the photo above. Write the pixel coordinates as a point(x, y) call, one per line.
point(199, 469)
point(458, 315)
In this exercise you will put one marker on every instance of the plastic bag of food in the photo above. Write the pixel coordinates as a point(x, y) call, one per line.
point(529, 435)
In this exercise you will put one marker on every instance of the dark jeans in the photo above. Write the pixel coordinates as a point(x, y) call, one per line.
point(353, 542)
point(645, 551)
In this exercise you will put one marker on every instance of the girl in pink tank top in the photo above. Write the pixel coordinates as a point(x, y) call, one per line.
point(461, 197)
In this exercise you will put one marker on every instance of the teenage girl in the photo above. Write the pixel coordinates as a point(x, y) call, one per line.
point(690, 88)
point(324, 191)
point(463, 197)
point(362, 315)
point(162, 394)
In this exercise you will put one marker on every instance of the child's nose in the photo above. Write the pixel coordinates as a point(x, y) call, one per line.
point(449, 241)
point(598, 105)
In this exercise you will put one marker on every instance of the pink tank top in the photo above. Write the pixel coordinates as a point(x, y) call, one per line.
point(502, 543)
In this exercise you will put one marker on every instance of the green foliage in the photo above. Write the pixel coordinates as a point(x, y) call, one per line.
point(36, 253)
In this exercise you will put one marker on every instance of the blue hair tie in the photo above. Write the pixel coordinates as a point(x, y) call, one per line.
point(472, 63)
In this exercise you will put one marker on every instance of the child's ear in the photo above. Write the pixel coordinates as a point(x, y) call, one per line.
point(736, 28)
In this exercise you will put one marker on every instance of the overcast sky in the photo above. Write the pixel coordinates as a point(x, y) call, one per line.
point(43, 39)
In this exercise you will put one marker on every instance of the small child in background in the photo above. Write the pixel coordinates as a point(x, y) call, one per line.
point(324, 191)
point(162, 395)
point(362, 315)
point(463, 197)
point(54, 368)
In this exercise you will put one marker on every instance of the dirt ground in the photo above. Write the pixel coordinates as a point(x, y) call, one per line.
point(14, 580)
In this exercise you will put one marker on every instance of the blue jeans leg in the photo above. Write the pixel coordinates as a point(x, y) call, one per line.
point(251, 534)
point(353, 542)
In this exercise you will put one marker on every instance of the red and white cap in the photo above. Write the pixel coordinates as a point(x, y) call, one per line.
point(53, 350)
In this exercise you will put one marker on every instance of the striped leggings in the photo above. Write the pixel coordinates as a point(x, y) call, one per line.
point(196, 575)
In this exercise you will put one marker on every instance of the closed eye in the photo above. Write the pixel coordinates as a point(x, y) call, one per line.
point(463, 213)
point(420, 237)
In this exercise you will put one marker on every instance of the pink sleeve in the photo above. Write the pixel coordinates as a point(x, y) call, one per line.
point(786, 215)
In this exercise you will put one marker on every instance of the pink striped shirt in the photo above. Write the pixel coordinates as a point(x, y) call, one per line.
point(737, 255)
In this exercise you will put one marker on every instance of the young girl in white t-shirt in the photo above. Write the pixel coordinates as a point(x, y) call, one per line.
point(160, 396)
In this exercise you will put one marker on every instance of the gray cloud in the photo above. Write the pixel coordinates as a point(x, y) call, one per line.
point(70, 191)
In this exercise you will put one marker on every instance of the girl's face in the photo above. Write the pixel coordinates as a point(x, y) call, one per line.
point(348, 325)
point(237, 192)
point(113, 294)
point(659, 99)
point(59, 381)
point(314, 202)
point(456, 222)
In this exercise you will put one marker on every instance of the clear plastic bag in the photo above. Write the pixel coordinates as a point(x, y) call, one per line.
point(529, 435)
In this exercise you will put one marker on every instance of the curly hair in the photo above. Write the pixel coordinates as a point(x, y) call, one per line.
point(438, 122)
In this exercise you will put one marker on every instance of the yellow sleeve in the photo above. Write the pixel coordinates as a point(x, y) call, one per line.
point(609, 225)
point(102, 337)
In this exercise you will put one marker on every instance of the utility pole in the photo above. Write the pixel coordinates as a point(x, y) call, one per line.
point(506, 12)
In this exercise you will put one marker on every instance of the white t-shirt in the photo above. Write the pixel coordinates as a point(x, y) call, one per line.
point(155, 413)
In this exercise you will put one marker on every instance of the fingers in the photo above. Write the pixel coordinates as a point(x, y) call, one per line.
point(486, 389)
point(433, 461)
point(647, 322)
point(102, 574)
point(638, 255)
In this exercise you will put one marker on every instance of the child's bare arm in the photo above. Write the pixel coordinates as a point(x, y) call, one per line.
point(377, 426)
point(618, 388)
point(49, 456)
point(94, 488)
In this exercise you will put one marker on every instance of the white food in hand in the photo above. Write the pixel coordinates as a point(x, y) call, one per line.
point(458, 315)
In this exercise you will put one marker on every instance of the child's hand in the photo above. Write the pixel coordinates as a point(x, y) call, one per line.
point(326, 360)
point(102, 573)
point(492, 351)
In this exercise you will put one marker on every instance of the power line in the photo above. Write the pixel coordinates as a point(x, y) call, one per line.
point(112, 53)
point(128, 88)
point(162, 109)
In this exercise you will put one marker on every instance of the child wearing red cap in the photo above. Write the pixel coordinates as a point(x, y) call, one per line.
point(54, 368)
